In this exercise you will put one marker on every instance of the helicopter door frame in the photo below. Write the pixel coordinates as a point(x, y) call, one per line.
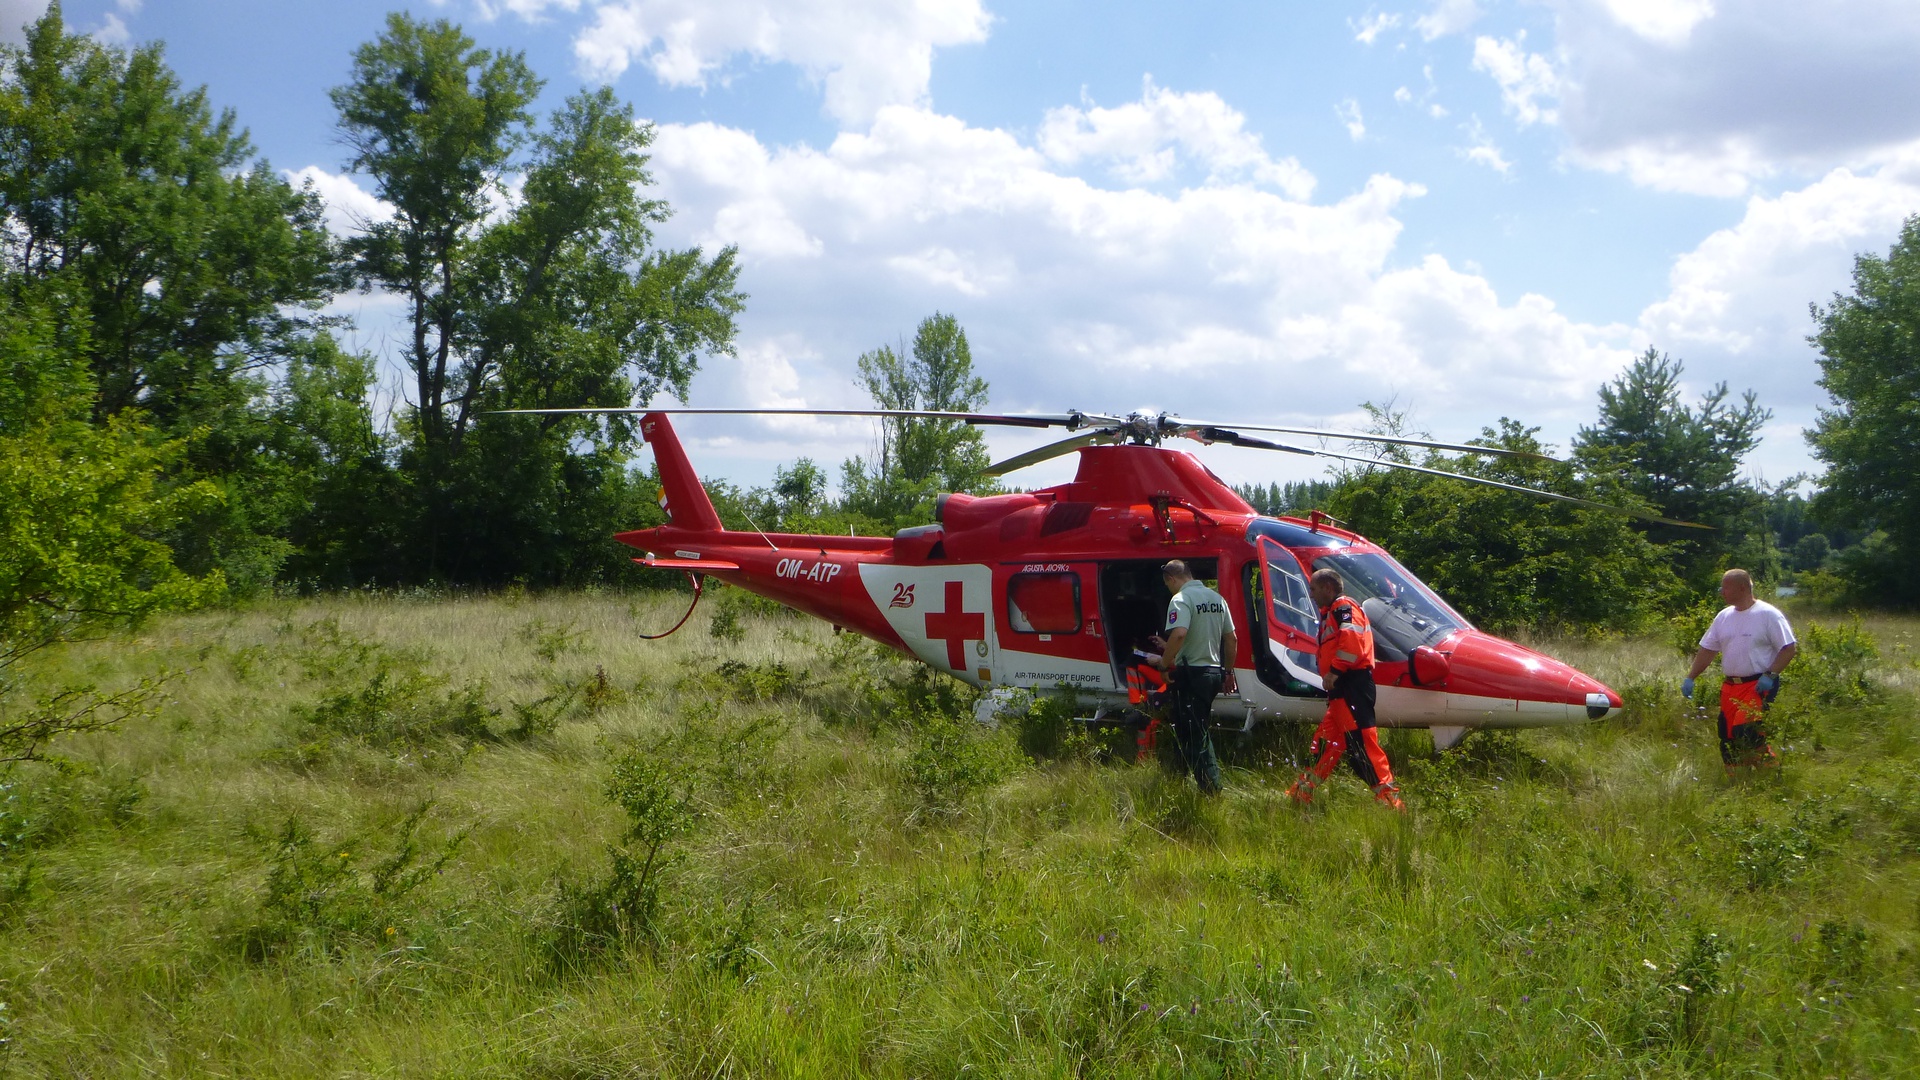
point(1296, 675)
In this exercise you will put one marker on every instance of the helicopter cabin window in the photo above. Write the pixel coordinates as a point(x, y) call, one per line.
point(1044, 603)
point(1403, 612)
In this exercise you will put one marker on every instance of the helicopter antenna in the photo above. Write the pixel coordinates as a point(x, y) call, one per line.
point(756, 528)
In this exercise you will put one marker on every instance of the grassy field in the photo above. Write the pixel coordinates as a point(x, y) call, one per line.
point(503, 837)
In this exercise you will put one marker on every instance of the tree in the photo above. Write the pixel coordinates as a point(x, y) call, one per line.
point(1511, 561)
point(79, 507)
point(197, 269)
point(1869, 437)
point(1685, 461)
point(557, 301)
point(917, 458)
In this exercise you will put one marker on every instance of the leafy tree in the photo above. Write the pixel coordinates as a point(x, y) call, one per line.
point(1512, 561)
point(79, 507)
point(196, 267)
point(1685, 461)
point(918, 458)
point(557, 302)
point(1870, 436)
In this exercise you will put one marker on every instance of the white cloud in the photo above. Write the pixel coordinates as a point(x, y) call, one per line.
point(1707, 98)
point(349, 206)
point(1745, 289)
point(1736, 306)
point(1403, 95)
point(1481, 149)
point(113, 30)
point(1349, 113)
point(1526, 79)
point(1447, 17)
point(528, 10)
point(1144, 140)
point(1256, 303)
point(1666, 22)
point(1368, 29)
point(868, 53)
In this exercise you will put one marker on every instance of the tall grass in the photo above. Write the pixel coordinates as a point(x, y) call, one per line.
point(356, 839)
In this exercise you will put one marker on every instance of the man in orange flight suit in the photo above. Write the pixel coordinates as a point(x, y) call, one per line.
point(1346, 669)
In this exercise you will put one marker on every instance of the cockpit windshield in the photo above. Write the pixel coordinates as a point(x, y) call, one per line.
point(1404, 613)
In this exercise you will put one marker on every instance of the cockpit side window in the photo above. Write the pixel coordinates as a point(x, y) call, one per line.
point(1292, 604)
point(1404, 613)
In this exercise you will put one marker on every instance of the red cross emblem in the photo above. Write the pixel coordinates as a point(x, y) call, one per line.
point(956, 626)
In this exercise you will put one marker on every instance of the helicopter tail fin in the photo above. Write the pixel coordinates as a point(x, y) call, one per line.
point(681, 495)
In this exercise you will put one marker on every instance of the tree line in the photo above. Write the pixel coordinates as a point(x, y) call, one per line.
point(182, 419)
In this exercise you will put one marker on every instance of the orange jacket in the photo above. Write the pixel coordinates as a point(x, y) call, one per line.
point(1144, 679)
point(1346, 638)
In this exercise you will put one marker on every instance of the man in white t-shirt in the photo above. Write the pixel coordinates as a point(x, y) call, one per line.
point(1755, 644)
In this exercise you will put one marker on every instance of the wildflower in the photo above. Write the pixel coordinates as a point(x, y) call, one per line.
point(390, 931)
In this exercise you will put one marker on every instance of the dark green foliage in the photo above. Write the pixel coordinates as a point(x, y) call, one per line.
point(353, 889)
point(1291, 498)
point(1510, 561)
point(560, 303)
point(954, 759)
point(1684, 462)
point(190, 266)
point(1048, 726)
point(1869, 345)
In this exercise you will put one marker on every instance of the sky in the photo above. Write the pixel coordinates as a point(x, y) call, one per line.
point(1237, 211)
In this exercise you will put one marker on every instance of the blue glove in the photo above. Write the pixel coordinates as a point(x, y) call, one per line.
point(1686, 688)
point(1769, 682)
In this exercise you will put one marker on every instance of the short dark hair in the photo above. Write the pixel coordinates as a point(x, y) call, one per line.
point(1328, 576)
point(1175, 568)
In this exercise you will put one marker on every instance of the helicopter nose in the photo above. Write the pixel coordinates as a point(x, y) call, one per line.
point(1601, 700)
point(1484, 664)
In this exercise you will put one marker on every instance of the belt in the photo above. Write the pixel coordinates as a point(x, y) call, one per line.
point(1738, 680)
point(1201, 667)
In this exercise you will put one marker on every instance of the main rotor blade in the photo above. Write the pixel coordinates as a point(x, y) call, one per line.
point(1235, 439)
point(1070, 420)
point(1354, 436)
point(1050, 451)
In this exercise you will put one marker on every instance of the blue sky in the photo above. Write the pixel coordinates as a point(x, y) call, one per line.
point(1246, 211)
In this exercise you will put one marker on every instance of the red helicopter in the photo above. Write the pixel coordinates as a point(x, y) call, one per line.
point(1057, 587)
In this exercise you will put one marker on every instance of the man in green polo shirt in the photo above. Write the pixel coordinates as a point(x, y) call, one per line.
point(1197, 655)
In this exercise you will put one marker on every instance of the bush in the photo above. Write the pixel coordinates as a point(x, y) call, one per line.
point(954, 759)
point(1049, 728)
point(622, 908)
point(383, 697)
point(329, 895)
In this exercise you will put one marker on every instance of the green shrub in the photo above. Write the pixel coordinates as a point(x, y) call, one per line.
point(1832, 664)
point(954, 759)
point(741, 681)
point(351, 889)
point(550, 642)
point(382, 697)
point(1049, 728)
point(621, 909)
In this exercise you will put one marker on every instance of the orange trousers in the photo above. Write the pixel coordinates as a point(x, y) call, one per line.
point(1743, 741)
